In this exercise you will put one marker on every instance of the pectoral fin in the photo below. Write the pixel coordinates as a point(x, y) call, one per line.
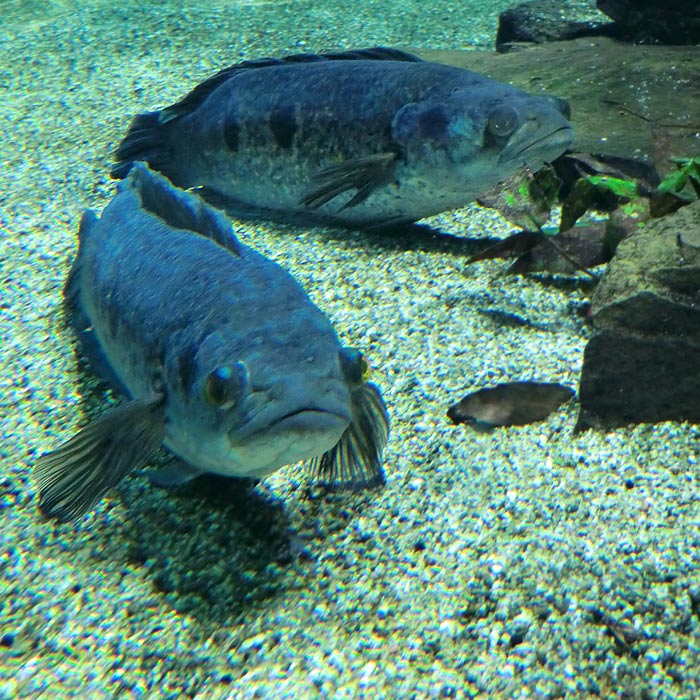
point(74, 477)
point(356, 460)
point(361, 174)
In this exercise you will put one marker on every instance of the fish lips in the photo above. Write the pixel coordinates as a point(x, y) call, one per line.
point(297, 436)
point(533, 144)
point(305, 420)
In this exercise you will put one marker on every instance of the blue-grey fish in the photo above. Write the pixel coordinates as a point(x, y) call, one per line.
point(224, 357)
point(363, 138)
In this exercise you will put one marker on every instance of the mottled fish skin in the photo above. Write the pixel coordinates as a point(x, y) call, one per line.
point(360, 138)
point(168, 303)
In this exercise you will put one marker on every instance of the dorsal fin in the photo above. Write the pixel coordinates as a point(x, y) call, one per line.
point(180, 209)
point(194, 99)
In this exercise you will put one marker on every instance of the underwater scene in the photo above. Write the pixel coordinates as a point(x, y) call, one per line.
point(350, 350)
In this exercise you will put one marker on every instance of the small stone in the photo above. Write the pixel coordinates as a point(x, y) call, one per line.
point(254, 643)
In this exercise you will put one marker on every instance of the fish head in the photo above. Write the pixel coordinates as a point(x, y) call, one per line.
point(253, 407)
point(477, 136)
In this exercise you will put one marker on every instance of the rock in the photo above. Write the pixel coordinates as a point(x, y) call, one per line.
point(606, 82)
point(669, 22)
point(537, 22)
point(641, 363)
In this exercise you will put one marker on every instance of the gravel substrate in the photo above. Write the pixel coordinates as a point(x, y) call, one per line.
point(521, 563)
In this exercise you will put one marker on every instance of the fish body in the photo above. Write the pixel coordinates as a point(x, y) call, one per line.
point(362, 138)
point(226, 360)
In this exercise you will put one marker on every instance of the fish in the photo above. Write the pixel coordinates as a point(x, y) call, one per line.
point(510, 403)
point(364, 138)
point(224, 359)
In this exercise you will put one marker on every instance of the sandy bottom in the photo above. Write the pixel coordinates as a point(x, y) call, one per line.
point(522, 563)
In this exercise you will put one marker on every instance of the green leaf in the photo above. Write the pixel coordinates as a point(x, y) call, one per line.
point(673, 182)
point(688, 173)
point(619, 187)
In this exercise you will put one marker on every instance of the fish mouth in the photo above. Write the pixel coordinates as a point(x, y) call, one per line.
point(302, 434)
point(530, 148)
point(305, 420)
point(310, 420)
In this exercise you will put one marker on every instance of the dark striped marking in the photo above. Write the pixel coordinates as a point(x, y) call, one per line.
point(187, 366)
point(283, 125)
point(231, 132)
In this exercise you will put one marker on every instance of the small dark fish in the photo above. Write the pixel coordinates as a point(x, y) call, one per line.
point(511, 403)
point(363, 138)
point(224, 357)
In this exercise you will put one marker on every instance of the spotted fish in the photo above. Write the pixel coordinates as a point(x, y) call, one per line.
point(224, 358)
point(361, 138)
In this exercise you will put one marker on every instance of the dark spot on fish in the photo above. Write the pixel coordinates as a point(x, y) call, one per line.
point(231, 131)
point(433, 123)
point(187, 366)
point(283, 125)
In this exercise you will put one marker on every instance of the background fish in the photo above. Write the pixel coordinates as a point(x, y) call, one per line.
point(510, 403)
point(230, 377)
point(368, 137)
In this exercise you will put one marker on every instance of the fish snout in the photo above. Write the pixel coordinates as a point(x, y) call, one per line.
point(535, 143)
point(296, 408)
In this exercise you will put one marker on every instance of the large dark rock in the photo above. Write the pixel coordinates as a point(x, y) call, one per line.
point(537, 22)
point(607, 83)
point(666, 21)
point(642, 363)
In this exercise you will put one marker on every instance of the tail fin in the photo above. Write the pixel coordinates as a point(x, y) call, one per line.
point(146, 140)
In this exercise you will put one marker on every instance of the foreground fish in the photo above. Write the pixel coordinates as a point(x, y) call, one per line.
point(226, 360)
point(364, 138)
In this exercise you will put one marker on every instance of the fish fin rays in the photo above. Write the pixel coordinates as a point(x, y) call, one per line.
point(364, 175)
point(356, 460)
point(375, 53)
point(180, 209)
point(75, 476)
point(145, 140)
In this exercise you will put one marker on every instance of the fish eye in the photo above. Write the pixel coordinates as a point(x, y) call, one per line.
point(225, 385)
point(561, 105)
point(354, 366)
point(364, 366)
point(502, 122)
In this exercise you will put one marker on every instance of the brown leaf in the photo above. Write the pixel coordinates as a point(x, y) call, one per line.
point(515, 245)
point(583, 244)
point(526, 198)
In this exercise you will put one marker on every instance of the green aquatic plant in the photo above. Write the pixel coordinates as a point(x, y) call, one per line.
point(678, 188)
point(625, 195)
point(688, 173)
